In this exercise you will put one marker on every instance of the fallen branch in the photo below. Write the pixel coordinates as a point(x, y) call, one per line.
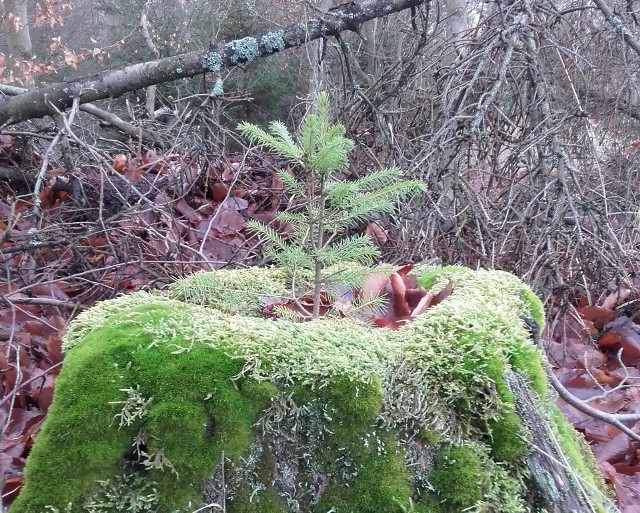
point(108, 117)
point(113, 83)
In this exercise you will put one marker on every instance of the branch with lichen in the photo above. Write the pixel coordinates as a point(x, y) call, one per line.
point(114, 83)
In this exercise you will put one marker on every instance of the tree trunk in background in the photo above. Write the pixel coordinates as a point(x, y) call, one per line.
point(316, 56)
point(456, 26)
point(18, 37)
point(150, 101)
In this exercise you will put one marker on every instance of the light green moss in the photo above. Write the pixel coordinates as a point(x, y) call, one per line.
point(580, 458)
point(370, 417)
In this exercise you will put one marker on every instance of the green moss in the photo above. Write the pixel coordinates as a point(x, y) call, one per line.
point(580, 457)
point(466, 478)
point(354, 405)
point(78, 441)
point(507, 438)
point(431, 275)
point(527, 359)
point(536, 308)
point(381, 481)
point(339, 401)
point(430, 436)
point(457, 478)
point(259, 501)
point(196, 412)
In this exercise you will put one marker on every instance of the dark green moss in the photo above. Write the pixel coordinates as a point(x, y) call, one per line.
point(196, 411)
point(262, 501)
point(366, 472)
point(457, 478)
point(353, 405)
point(430, 504)
point(507, 442)
point(381, 482)
point(430, 436)
point(506, 435)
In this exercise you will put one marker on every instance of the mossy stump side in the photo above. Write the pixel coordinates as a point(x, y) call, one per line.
point(181, 402)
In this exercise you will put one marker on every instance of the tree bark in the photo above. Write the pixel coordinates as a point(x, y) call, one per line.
point(113, 83)
point(18, 36)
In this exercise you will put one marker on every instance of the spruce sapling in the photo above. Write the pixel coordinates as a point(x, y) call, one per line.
point(324, 204)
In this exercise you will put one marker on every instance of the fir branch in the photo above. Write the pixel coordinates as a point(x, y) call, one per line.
point(290, 183)
point(329, 205)
point(272, 236)
point(259, 136)
point(377, 179)
point(351, 249)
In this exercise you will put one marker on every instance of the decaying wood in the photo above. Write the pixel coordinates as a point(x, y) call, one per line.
point(557, 486)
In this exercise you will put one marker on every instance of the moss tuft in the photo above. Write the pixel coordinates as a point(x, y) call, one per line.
point(246, 500)
point(580, 457)
point(507, 442)
point(430, 436)
point(527, 359)
point(196, 412)
point(380, 483)
point(457, 477)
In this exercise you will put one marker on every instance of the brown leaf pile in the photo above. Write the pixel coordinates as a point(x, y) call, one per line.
point(595, 349)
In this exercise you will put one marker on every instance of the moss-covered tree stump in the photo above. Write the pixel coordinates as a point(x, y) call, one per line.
point(170, 403)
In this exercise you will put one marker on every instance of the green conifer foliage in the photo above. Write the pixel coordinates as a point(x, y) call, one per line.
point(325, 205)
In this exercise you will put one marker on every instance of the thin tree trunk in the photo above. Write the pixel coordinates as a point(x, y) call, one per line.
point(18, 36)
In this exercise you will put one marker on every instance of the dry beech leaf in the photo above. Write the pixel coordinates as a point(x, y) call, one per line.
point(377, 235)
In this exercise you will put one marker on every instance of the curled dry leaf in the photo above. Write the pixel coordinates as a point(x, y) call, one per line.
point(377, 235)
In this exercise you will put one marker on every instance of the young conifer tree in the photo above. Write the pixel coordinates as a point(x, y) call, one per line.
point(325, 205)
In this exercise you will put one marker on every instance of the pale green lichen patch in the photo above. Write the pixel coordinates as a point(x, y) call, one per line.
point(273, 41)
point(328, 415)
point(218, 88)
point(212, 61)
point(243, 50)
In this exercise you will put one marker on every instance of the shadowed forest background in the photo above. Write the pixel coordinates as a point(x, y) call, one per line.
point(521, 117)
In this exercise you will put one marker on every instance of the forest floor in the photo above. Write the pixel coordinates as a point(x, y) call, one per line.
point(165, 217)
